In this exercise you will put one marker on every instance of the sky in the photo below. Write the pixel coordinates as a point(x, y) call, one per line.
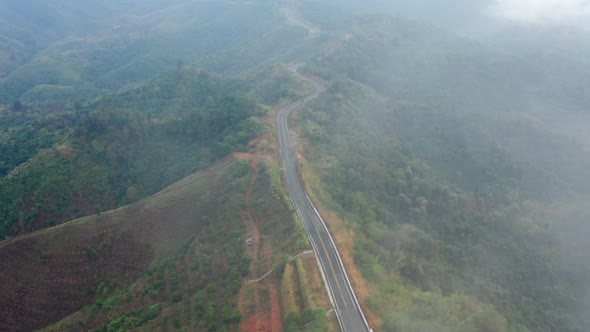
point(544, 11)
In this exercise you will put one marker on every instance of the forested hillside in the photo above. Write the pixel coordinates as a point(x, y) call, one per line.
point(121, 44)
point(124, 146)
point(27, 27)
point(436, 151)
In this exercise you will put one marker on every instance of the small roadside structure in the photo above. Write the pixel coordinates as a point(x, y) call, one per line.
point(250, 242)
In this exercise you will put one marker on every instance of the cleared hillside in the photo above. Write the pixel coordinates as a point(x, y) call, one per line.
point(54, 272)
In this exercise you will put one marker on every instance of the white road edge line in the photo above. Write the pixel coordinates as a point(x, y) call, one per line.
point(286, 138)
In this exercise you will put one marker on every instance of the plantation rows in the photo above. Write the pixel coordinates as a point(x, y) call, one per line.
point(41, 281)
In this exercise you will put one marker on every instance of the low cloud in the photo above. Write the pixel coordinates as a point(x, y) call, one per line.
point(544, 11)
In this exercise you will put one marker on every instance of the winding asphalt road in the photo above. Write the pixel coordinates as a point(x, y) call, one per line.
point(348, 311)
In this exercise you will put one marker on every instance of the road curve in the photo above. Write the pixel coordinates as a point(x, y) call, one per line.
point(348, 311)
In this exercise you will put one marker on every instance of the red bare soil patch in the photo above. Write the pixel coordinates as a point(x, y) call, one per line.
point(257, 140)
point(266, 316)
point(275, 309)
point(257, 323)
point(258, 150)
point(249, 325)
point(262, 315)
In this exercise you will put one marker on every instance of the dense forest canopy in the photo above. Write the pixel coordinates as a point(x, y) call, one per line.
point(80, 56)
point(459, 161)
